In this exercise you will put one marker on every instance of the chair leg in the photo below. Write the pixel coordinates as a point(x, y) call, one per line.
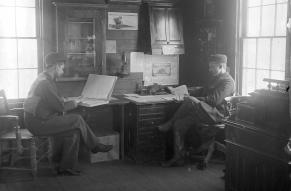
point(0, 154)
point(50, 151)
point(14, 155)
point(209, 152)
point(203, 164)
point(33, 157)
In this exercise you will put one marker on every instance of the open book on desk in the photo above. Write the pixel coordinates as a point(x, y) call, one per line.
point(97, 91)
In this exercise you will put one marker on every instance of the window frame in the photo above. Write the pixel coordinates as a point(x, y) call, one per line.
point(241, 28)
point(38, 36)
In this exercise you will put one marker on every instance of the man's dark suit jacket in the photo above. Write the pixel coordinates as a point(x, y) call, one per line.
point(213, 94)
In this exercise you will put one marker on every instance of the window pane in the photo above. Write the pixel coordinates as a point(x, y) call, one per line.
point(268, 20)
point(254, 3)
point(25, 22)
point(7, 20)
point(281, 1)
point(26, 78)
point(249, 54)
point(25, 3)
point(8, 53)
point(7, 3)
point(9, 82)
point(281, 19)
point(261, 74)
point(278, 54)
point(263, 61)
point(248, 81)
point(253, 21)
point(27, 53)
point(267, 2)
point(278, 75)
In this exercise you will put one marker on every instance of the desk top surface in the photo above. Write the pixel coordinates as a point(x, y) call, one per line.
point(150, 99)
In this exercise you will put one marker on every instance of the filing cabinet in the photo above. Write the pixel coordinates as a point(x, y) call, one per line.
point(143, 141)
point(255, 158)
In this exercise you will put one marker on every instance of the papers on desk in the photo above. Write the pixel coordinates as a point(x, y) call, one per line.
point(178, 94)
point(179, 91)
point(151, 98)
point(97, 91)
point(87, 102)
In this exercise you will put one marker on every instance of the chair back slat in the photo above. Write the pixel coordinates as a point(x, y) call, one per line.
point(4, 110)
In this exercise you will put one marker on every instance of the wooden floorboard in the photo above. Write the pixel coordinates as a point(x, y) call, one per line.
point(3, 187)
point(125, 176)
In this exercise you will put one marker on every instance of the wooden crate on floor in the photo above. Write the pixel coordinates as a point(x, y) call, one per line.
point(108, 137)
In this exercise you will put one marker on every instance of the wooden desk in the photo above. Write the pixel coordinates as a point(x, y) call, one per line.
point(106, 116)
point(255, 158)
point(143, 142)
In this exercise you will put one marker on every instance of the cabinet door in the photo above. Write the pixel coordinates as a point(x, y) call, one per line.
point(80, 36)
point(175, 26)
point(158, 24)
point(166, 30)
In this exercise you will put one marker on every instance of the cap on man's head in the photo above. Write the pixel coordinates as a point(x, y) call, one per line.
point(218, 58)
point(53, 58)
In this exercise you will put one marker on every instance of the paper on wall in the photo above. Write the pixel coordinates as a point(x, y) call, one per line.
point(136, 62)
point(110, 46)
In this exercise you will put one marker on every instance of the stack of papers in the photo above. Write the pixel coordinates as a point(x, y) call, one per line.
point(150, 98)
point(180, 91)
point(97, 90)
point(178, 94)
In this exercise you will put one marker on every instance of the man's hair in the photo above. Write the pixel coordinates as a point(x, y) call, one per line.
point(53, 58)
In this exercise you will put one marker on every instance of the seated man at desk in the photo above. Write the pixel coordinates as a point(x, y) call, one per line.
point(44, 110)
point(208, 106)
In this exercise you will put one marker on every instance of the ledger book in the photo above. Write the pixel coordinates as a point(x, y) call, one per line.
point(97, 90)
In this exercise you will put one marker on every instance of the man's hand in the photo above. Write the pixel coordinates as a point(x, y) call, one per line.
point(75, 103)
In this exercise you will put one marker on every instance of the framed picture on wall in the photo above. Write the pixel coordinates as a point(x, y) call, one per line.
point(122, 21)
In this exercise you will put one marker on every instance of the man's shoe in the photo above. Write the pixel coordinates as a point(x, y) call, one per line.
point(165, 126)
point(101, 148)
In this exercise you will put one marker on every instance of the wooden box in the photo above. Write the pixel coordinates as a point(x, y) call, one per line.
point(109, 137)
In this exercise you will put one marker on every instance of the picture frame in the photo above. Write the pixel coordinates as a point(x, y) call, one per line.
point(122, 21)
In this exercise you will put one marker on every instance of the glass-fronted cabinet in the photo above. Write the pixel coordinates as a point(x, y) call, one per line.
point(81, 36)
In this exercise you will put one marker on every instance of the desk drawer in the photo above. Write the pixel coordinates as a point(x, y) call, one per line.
point(148, 136)
point(154, 108)
point(151, 122)
point(150, 116)
point(257, 141)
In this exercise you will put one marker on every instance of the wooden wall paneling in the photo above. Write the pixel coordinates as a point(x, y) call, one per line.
point(70, 89)
point(113, 63)
point(126, 40)
point(101, 20)
point(126, 45)
point(115, 34)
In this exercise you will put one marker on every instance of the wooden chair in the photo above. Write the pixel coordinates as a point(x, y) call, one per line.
point(216, 142)
point(14, 137)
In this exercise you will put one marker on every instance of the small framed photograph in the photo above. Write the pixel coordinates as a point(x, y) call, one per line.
point(122, 21)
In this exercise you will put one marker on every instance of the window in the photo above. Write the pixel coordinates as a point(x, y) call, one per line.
point(263, 42)
point(18, 46)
